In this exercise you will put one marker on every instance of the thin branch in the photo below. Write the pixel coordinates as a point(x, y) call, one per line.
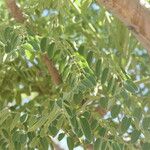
point(15, 11)
point(52, 69)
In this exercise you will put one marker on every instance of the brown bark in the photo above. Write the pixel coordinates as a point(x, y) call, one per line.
point(135, 15)
point(52, 69)
point(15, 11)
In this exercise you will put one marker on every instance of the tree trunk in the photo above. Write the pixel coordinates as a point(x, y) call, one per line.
point(136, 16)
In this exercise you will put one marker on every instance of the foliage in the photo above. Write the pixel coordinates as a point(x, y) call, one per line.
point(103, 99)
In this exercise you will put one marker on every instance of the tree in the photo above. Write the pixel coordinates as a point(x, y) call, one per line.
point(70, 69)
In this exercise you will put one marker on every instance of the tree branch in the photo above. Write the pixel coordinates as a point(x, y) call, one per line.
point(17, 14)
point(136, 16)
point(15, 11)
point(52, 69)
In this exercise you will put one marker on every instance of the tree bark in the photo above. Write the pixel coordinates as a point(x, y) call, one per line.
point(135, 14)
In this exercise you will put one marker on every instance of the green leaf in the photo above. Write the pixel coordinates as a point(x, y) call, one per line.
point(5, 133)
point(44, 143)
point(104, 145)
point(74, 124)
point(50, 50)
point(7, 32)
point(24, 118)
point(135, 136)
point(87, 83)
point(61, 136)
point(90, 57)
point(104, 75)
point(126, 122)
point(91, 78)
point(15, 121)
point(115, 110)
point(145, 146)
point(130, 86)
point(17, 145)
point(70, 143)
point(97, 144)
point(110, 83)
point(52, 116)
point(103, 102)
point(34, 142)
point(27, 47)
point(81, 50)
point(116, 146)
point(98, 68)
point(8, 48)
point(23, 138)
point(4, 114)
point(146, 123)
point(137, 113)
point(43, 44)
point(39, 123)
point(86, 128)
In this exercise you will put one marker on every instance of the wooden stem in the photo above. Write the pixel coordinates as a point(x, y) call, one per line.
point(135, 14)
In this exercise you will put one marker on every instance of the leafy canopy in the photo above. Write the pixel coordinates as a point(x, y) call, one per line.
point(103, 96)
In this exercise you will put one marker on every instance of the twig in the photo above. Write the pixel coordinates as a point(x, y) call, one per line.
point(15, 11)
point(52, 69)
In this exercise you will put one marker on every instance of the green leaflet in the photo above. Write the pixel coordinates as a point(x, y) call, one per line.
point(4, 114)
point(34, 142)
point(70, 143)
point(90, 57)
point(50, 50)
point(52, 116)
point(130, 86)
point(91, 78)
point(39, 123)
point(7, 32)
point(23, 138)
point(15, 121)
point(126, 122)
point(5, 133)
point(116, 146)
point(24, 118)
point(104, 145)
point(27, 46)
point(137, 113)
point(44, 143)
point(146, 123)
point(81, 50)
point(97, 144)
point(145, 146)
point(43, 44)
point(103, 102)
point(74, 124)
point(8, 48)
point(98, 68)
point(104, 75)
point(135, 136)
point(61, 136)
point(86, 128)
point(115, 110)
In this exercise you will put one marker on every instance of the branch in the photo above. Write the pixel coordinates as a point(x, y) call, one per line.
point(17, 14)
point(52, 69)
point(15, 11)
point(136, 16)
